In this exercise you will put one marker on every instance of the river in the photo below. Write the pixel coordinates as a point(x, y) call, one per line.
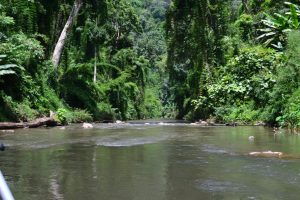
point(150, 162)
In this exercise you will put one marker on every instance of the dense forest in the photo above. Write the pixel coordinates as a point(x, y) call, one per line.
point(109, 66)
point(235, 60)
point(229, 61)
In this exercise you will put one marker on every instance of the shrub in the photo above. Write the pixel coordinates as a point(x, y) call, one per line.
point(153, 107)
point(285, 92)
point(65, 116)
point(106, 111)
point(291, 114)
point(247, 77)
point(24, 112)
point(20, 111)
point(245, 113)
point(62, 115)
point(77, 116)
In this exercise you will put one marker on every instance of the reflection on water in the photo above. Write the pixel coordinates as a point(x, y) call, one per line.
point(148, 160)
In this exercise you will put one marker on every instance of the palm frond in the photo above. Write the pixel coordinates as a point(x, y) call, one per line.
point(7, 72)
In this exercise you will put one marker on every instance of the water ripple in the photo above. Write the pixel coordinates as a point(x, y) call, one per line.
point(218, 186)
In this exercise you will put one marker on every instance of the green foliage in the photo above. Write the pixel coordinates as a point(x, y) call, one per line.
point(245, 113)
point(106, 111)
point(24, 111)
point(291, 114)
point(6, 69)
point(65, 116)
point(78, 116)
point(276, 28)
point(245, 24)
point(194, 31)
point(19, 111)
point(247, 76)
point(217, 69)
point(6, 21)
point(22, 50)
point(197, 60)
point(107, 34)
point(61, 115)
point(285, 96)
point(25, 14)
point(122, 66)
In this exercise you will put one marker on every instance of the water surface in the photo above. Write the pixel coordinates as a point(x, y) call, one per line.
point(150, 162)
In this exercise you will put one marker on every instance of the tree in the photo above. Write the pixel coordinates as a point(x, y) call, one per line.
point(194, 35)
point(64, 34)
point(276, 28)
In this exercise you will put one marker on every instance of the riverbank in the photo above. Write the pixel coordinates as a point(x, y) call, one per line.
point(45, 121)
point(52, 122)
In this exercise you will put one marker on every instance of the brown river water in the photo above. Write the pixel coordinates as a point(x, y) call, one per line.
point(170, 161)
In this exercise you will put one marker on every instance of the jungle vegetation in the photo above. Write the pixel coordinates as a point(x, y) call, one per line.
point(235, 61)
point(86, 60)
point(229, 60)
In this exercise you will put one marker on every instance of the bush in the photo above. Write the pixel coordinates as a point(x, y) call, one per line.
point(106, 111)
point(291, 114)
point(20, 111)
point(286, 91)
point(152, 104)
point(77, 116)
point(62, 115)
point(249, 76)
point(245, 25)
point(25, 112)
point(244, 113)
point(65, 116)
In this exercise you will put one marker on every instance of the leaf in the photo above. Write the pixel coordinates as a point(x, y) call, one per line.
point(294, 16)
point(6, 72)
point(7, 66)
point(266, 35)
point(279, 118)
point(278, 46)
point(287, 30)
point(267, 42)
point(265, 29)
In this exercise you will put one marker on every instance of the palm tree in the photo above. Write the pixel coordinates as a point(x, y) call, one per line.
point(277, 27)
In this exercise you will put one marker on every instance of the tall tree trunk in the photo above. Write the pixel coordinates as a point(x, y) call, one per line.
point(95, 66)
point(63, 36)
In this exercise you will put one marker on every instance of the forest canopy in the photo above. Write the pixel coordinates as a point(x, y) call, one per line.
point(102, 60)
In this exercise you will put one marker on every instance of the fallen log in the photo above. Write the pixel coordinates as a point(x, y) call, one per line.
point(44, 121)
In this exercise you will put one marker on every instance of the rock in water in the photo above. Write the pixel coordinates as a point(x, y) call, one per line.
point(267, 154)
point(251, 138)
point(2, 147)
point(87, 125)
point(203, 123)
